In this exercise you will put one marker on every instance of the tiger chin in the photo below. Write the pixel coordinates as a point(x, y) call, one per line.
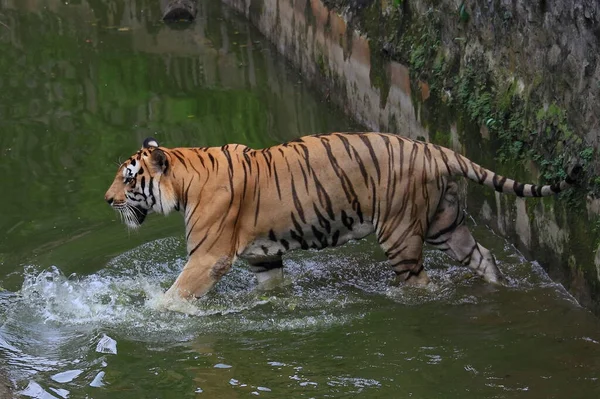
point(314, 192)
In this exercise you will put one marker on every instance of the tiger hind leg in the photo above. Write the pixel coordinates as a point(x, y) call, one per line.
point(448, 233)
point(268, 273)
point(405, 255)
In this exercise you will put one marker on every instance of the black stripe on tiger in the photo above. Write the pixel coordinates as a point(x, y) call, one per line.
point(181, 158)
point(323, 222)
point(297, 203)
point(518, 188)
point(499, 183)
point(369, 146)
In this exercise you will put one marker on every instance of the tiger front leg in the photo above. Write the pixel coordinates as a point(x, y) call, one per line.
point(198, 276)
point(406, 257)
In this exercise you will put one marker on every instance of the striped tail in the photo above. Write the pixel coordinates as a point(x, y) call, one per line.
point(462, 166)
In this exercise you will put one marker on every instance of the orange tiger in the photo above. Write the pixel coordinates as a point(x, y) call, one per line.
point(314, 192)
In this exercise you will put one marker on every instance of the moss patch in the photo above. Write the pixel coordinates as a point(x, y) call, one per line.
point(521, 127)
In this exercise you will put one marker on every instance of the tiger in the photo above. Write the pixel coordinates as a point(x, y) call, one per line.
point(313, 192)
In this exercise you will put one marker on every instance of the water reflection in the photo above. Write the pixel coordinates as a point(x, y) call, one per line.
point(83, 83)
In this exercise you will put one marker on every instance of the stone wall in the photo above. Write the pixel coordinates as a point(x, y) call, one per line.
point(320, 43)
point(553, 45)
point(507, 83)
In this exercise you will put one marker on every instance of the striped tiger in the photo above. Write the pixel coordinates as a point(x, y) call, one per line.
point(314, 192)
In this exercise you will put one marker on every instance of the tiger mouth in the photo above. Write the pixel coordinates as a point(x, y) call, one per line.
point(132, 215)
point(140, 214)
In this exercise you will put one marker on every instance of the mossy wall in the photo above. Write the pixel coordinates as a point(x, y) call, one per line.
point(480, 78)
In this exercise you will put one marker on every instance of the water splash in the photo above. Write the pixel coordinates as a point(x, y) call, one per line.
point(53, 312)
point(107, 345)
point(84, 300)
point(98, 380)
point(128, 292)
point(35, 390)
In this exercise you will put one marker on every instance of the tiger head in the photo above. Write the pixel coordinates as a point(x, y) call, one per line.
point(142, 185)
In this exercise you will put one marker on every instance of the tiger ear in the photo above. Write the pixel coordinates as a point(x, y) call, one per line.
point(159, 160)
point(150, 142)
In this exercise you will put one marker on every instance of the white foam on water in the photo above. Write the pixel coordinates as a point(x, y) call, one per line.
point(128, 294)
point(55, 311)
point(35, 390)
point(63, 393)
point(98, 380)
point(66, 376)
point(107, 345)
point(89, 299)
point(356, 382)
point(5, 345)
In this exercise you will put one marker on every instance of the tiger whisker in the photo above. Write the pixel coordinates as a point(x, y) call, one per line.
point(133, 220)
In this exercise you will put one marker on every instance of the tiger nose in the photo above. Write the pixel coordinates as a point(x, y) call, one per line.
point(108, 199)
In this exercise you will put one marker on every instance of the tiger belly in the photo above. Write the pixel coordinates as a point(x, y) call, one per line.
point(273, 244)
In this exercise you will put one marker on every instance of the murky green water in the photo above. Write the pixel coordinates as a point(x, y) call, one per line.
point(81, 84)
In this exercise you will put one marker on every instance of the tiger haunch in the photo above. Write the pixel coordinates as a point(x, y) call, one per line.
point(313, 192)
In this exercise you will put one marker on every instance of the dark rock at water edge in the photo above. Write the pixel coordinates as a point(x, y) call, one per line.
point(177, 10)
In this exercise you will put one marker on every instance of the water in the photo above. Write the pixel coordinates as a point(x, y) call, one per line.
point(82, 83)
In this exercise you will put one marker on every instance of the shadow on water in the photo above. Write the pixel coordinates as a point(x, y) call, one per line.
point(82, 83)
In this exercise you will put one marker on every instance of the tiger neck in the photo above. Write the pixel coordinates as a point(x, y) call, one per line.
point(198, 174)
point(208, 186)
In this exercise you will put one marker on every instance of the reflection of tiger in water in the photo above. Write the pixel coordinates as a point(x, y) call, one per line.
point(313, 192)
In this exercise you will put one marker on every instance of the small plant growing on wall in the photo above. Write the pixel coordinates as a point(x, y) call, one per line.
point(463, 14)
